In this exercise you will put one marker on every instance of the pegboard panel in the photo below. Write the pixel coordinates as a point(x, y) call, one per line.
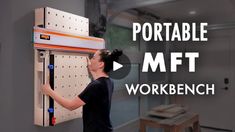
point(54, 19)
point(70, 79)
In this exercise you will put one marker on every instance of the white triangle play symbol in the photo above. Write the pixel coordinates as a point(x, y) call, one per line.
point(116, 66)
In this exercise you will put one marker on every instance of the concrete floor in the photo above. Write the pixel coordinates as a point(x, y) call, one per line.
point(212, 130)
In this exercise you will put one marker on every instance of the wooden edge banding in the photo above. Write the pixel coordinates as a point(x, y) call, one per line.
point(68, 35)
point(64, 48)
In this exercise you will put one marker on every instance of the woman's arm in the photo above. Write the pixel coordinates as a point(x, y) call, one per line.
point(68, 104)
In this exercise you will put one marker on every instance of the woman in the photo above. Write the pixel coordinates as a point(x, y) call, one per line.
point(96, 98)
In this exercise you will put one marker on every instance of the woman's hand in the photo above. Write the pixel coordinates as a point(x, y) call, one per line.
point(46, 89)
point(88, 64)
point(88, 61)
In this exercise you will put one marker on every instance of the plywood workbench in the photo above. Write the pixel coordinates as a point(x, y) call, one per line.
point(176, 124)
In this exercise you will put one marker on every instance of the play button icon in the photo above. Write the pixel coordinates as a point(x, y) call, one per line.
point(121, 68)
point(116, 66)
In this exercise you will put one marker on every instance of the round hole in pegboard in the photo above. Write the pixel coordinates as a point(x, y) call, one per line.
point(62, 86)
point(62, 76)
point(75, 85)
point(75, 75)
point(75, 19)
point(69, 17)
point(69, 76)
point(55, 87)
point(62, 56)
point(55, 66)
point(48, 23)
point(56, 14)
point(63, 16)
point(48, 12)
point(56, 25)
point(69, 66)
point(75, 66)
point(55, 76)
point(75, 28)
point(62, 66)
point(69, 85)
point(81, 66)
point(63, 26)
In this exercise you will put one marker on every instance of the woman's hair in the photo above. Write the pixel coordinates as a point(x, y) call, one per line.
point(108, 57)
